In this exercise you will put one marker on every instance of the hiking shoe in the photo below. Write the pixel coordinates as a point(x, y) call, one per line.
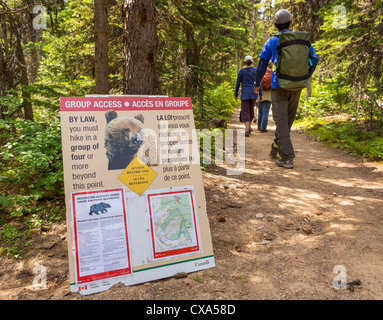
point(247, 134)
point(274, 150)
point(288, 164)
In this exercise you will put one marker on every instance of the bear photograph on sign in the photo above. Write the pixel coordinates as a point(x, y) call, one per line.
point(126, 138)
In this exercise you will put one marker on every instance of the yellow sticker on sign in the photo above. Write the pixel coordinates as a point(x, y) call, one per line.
point(138, 176)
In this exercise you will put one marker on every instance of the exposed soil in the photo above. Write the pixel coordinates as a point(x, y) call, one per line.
point(277, 233)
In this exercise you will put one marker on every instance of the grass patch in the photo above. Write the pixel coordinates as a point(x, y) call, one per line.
point(347, 135)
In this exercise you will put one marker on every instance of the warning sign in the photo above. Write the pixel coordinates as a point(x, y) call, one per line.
point(138, 176)
point(100, 235)
point(135, 198)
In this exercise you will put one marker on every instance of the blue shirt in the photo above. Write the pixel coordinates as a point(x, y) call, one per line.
point(246, 76)
point(269, 51)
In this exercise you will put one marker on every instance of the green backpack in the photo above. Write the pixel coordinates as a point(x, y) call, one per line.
point(293, 60)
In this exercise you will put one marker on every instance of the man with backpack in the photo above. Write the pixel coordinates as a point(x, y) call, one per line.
point(296, 60)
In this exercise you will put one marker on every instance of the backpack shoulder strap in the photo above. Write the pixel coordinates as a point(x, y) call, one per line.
point(292, 42)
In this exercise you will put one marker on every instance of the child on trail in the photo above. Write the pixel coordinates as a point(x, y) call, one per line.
point(296, 60)
point(246, 77)
point(265, 104)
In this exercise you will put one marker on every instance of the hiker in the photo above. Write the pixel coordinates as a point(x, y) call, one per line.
point(296, 60)
point(246, 77)
point(265, 104)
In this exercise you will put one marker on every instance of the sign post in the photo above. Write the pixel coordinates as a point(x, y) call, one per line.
point(135, 199)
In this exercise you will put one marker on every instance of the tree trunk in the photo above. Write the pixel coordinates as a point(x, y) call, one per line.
point(253, 28)
point(31, 34)
point(2, 72)
point(238, 60)
point(140, 46)
point(192, 64)
point(101, 39)
point(24, 82)
point(377, 71)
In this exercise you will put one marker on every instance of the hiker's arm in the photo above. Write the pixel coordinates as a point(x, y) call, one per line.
point(314, 60)
point(261, 70)
point(239, 80)
point(265, 57)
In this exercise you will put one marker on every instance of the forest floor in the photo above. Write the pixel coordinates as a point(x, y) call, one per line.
point(277, 233)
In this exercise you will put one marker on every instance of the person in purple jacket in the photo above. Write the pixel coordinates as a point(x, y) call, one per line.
point(246, 77)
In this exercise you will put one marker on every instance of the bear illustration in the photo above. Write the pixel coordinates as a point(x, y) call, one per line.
point(126, 138)
point(99, 208)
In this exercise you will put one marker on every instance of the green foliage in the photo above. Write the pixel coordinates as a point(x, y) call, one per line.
point(31, 174)
point(219, 102)
point(350, 73)
point(315, 107)
point(68, 56)
point(370, 110)
point(360, 134)
point(356, 50)
point(348, 136)
point(374, 149)
point(31, 169)
point(16, 205)
point(199, 42)
point(331, 96)
point(10, 236)
point(32, 155)
point(10, 102)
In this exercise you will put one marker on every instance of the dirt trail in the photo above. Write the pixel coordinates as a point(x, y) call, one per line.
point(277, 233)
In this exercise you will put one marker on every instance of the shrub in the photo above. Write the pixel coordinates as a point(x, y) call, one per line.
point(32, 156)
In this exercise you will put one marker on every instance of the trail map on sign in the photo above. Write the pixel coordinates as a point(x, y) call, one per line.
point(173, 223)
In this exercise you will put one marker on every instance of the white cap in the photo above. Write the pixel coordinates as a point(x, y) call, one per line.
point(248, 58)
